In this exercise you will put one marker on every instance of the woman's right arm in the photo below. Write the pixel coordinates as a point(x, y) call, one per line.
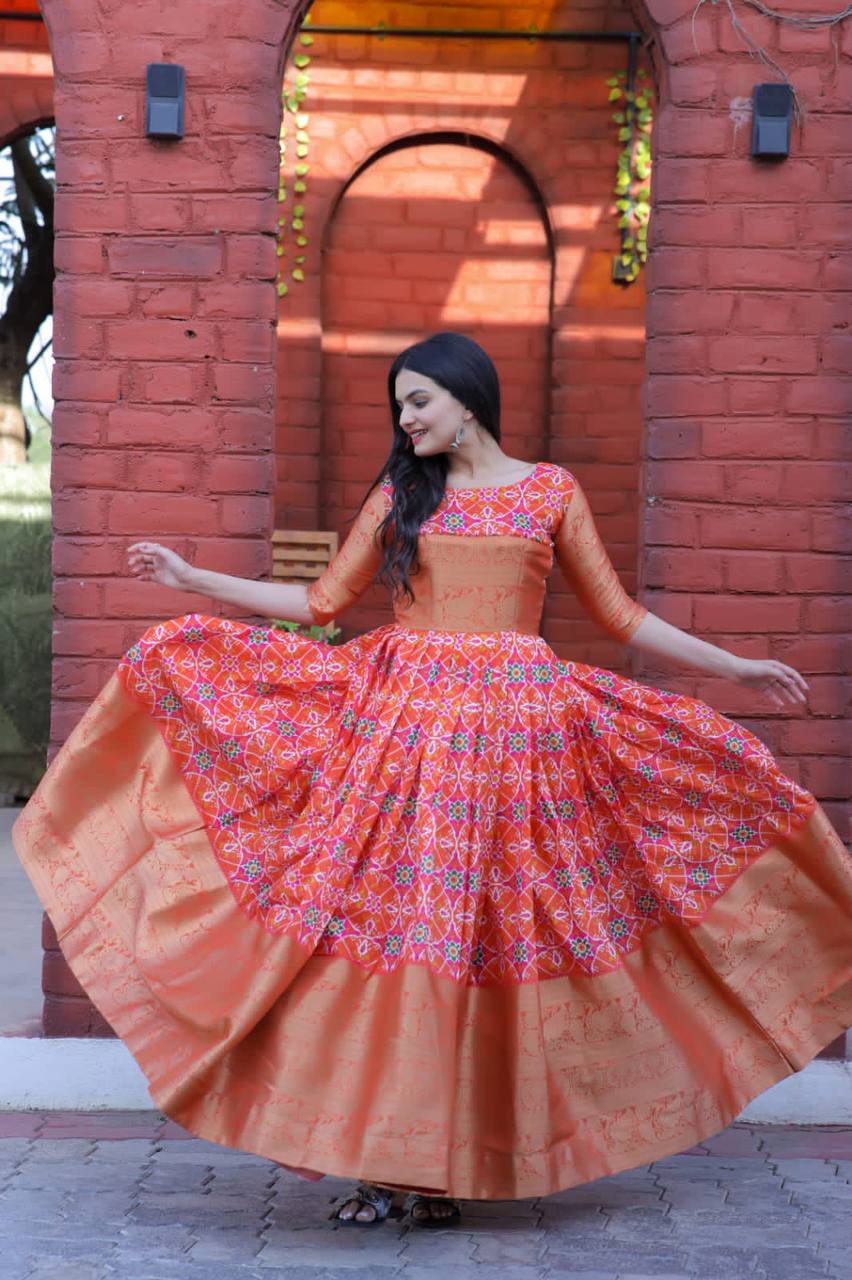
point(286, 600)
point(349, 574)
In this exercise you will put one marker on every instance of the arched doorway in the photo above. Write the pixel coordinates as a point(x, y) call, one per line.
point(441, 232)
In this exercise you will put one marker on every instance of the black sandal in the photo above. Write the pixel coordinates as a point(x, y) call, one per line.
point(429, 1219)
point(376, 1197)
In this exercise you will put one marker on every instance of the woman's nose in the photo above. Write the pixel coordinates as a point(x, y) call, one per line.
point(405, 416)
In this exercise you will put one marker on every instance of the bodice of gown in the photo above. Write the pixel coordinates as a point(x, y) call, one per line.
point(484, 557)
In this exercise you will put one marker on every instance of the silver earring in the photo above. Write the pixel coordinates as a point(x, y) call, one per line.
point(454, 444)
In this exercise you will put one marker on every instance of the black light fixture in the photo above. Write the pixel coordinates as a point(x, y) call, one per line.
point(770, 130)
point(164, 100)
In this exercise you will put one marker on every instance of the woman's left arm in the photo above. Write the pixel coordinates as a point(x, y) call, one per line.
point(590, 572)
point(660, 639)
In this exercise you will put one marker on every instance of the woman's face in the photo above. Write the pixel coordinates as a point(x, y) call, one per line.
point(428, 414)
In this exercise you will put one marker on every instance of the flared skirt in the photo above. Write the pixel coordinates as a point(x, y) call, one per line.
point(442, 911)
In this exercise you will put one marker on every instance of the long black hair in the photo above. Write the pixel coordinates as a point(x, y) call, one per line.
point(459, 365)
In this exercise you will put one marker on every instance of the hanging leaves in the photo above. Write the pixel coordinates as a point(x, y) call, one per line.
point(292, 98)
point(632, 205)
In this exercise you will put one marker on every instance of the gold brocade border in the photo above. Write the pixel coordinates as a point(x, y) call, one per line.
point(407, 1078)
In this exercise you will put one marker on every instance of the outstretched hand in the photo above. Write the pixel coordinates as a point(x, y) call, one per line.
point(781, 683)
point(154, 563)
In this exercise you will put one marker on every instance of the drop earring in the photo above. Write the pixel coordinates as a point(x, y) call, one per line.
point(454, 444)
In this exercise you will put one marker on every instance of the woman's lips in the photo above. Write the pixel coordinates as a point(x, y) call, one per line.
point(418, 435)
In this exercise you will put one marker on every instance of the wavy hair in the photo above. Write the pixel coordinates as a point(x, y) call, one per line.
point(459, 365)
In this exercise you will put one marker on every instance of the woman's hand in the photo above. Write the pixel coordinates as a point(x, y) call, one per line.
point(153, 563)
point(783, 684)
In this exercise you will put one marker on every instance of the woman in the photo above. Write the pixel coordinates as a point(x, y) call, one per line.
point(435, 909)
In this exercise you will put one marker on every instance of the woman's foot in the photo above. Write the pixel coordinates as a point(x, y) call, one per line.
point(433, 1211)
point(367, 1205)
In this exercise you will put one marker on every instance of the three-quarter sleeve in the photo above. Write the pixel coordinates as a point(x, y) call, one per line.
point(355, 565)
point(582, 557)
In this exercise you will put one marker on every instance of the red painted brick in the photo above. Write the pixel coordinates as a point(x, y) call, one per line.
point(762, 268)
point(249, 516)
point(235, 212)
point(166, 383)
point(131, 425)
point(89, 638)
point(683, 570)
point(743, 354)
point(680, 478)
point(156, 212)
point(241, 474)
point(832, 531)
point(84, 556)
point(129, 598)
point(93, 297)
point(66, 1016)
point(251, 384)
point(77, 597)
point(171, 301)
point(147, 338)
point(148, 514)
point(763, 528)
point(87, 468)
point(808, 572)
point(79, 512)
point(78, 255)
point(819, 394)
point(251, 256)
point(733, 613)
point(753, 571)
point(85, 380)
point(235, 300)
point(170, 471)
point(161, 257)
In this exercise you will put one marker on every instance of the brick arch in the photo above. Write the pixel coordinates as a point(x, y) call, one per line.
point(24, 106)
point(427, 136)
point(413, 246)
point(362, 151)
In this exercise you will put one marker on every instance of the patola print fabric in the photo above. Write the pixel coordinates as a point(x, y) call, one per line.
point(443, 850)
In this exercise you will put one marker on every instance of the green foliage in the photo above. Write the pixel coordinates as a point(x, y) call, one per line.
point(634, 121)
point(327, 635)
point(293, 96)
point(25, 623)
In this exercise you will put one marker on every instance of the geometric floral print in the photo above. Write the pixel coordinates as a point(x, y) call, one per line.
point(486, 810)
point(467, 802)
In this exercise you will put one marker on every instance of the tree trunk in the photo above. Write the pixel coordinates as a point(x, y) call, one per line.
point(30, 299)
point(13, 428)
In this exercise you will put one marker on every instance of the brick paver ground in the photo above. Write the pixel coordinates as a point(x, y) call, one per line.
point(132, 1196)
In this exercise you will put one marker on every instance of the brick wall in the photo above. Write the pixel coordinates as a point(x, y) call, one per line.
point(492, 216)
point(165, 311)
point(164, 332)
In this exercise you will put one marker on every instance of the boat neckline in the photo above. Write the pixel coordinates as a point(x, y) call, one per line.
point(496, 488)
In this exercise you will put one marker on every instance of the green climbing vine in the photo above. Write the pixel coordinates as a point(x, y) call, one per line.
point(634, 118)
point(292, 240)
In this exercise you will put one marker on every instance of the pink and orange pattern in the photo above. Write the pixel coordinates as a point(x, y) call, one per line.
point(464, 801)
point(436, 908)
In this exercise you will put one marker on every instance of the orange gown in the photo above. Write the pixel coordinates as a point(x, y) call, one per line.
point(435, 908)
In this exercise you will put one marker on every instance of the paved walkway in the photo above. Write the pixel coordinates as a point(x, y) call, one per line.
point(132, 1196)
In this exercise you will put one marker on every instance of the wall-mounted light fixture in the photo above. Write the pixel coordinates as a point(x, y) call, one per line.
point(773, 110)
point(164, 100)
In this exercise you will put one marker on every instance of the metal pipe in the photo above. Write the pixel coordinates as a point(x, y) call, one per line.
point(453, 33)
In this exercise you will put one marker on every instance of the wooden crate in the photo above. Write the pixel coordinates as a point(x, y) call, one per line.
point(301, 555)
